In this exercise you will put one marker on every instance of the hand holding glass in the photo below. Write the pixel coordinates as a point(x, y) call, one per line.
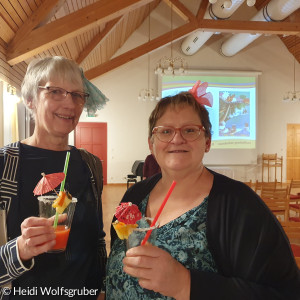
point(138, 234)
point(62, 231)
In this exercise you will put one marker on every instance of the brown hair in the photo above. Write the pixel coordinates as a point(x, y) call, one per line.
point(180, 100)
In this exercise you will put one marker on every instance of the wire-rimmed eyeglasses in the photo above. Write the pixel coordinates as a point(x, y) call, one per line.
point(188, 132)
point(59, 94)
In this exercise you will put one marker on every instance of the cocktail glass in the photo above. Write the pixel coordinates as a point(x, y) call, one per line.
point(63, 228)
point(139, 233)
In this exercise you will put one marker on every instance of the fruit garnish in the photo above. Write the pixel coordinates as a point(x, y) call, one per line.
point(127, 215)
point(62, 201)
point(123, 230)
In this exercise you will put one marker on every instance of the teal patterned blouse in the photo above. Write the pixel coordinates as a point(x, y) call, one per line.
point(184, 238)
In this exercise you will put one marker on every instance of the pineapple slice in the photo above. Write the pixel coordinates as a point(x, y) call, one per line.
point(62, 201)
point(123, 230)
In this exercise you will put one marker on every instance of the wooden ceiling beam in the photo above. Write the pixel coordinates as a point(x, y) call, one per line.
point(140, 50)
point(54, 33)
point(202, 9)
point(44, 11)
point(252, 27)
point(108, 28)
point(181, 10)
point(52, 12)
point(97, 40)
point(208, 25)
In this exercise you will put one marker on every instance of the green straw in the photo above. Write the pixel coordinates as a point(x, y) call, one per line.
point(62, 185)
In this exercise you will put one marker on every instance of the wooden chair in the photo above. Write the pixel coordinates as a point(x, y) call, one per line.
point(292, 230)
point(277, 199)
point(271, 161)
point(249, 183)
point(295, 196)
point(260, 185)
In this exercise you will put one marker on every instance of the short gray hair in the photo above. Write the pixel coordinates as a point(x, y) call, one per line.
point(45, 69)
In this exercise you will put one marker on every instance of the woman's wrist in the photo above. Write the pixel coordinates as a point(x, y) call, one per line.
point(184, 284)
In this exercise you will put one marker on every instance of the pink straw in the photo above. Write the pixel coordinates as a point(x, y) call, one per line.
point(158, 213)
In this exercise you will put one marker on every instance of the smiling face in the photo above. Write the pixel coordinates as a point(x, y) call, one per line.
point(179, 155)
point(56, 118)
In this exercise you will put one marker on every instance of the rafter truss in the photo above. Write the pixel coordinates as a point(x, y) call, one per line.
point(38, 34)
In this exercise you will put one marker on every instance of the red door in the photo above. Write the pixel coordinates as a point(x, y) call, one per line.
point(93, 138)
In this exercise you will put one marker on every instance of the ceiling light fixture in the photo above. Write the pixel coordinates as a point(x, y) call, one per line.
point(293, 96)
point(148, 93)
point(11, 90)
point(171, 65)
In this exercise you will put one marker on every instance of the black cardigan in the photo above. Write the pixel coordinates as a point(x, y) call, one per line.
point(249, 246)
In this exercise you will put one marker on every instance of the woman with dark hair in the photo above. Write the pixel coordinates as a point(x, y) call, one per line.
point(216, 240)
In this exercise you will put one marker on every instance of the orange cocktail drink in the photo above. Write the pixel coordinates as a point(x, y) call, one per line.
point(62, 230)
point(62, 234)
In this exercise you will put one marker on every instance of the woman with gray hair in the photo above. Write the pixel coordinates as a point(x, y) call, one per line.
point(56, 92)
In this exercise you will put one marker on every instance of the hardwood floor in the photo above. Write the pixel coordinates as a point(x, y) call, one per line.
point(111, 197)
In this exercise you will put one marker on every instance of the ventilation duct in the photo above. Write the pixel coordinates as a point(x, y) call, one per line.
point(275, 10)
point(215, 11)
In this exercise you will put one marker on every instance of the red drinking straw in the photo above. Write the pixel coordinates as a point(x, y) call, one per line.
point(158, 213)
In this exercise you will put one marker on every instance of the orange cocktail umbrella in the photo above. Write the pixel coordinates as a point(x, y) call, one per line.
point(48, 183)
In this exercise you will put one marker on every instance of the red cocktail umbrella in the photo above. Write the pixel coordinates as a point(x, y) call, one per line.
point(48, 183)
point(128, 213)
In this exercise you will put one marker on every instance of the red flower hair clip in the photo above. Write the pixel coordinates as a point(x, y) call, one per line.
point(199, 93)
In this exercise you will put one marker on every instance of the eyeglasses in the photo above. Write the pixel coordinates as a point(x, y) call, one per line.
point(59, 94)
point(167, 133)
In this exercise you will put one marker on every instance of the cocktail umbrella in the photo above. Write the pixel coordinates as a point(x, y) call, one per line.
point(128, 213)
point(48, 183)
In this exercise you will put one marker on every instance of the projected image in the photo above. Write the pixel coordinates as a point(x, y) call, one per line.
point(234, 113)
point(232, 116)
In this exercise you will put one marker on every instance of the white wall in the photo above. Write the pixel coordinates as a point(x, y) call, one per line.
point(127, 117)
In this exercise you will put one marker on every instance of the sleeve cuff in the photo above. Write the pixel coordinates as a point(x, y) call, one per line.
point(26, 265)
point(11, 266)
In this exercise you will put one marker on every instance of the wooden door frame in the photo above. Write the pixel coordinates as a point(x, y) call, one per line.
point(292, 153)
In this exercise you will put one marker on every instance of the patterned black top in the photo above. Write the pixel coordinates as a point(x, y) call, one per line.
point(73, 270)
point(184, 238)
